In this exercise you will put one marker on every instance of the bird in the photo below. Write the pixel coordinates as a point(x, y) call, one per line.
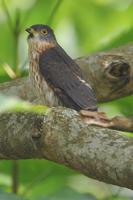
point(56, 77)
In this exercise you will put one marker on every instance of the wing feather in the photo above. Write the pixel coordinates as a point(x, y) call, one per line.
point(64, 76)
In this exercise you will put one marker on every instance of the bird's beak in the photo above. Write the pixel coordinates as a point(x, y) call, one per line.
point(28, 30)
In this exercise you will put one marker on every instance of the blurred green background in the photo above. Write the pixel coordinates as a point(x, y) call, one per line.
point(81, 27)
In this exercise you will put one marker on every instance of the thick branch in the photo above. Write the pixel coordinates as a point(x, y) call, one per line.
point(63, 137)
point(109, 73)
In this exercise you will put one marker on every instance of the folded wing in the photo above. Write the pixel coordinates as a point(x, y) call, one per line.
point(64, 77)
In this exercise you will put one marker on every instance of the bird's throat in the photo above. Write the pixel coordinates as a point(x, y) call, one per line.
point(39, 45)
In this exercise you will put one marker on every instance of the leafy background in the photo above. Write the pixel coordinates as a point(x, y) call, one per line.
point(82, 27)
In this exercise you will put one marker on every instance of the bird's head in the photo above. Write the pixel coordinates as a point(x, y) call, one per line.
point(40, 33)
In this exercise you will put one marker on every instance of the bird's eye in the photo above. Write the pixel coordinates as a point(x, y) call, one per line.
point(44, 31)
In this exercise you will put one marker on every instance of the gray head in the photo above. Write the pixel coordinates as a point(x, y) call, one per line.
point(41, 32)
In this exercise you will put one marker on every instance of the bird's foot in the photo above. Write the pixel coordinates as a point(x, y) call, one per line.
point(96, 118)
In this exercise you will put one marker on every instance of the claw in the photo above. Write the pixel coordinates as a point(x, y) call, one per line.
point(96, 118)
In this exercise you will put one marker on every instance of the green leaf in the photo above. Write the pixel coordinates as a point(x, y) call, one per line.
point(40, 177)
point(68, 194)
point(13, 104)
point(119, 198)
point(9, 196)
point(123, 38)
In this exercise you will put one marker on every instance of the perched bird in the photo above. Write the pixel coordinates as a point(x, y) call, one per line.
point(56, 77)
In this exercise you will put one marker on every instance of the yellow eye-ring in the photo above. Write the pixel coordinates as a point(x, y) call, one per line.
point(44, 31)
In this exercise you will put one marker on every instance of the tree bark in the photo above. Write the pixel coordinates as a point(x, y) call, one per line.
point(109, 73)
point(63, 137)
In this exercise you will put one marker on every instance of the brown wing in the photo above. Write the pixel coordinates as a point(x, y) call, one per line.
point(64, 76)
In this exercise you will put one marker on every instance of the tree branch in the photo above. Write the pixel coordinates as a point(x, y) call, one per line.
point(63, 137)
point(109, 73)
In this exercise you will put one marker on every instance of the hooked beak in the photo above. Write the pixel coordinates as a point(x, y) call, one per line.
point(28, 30)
